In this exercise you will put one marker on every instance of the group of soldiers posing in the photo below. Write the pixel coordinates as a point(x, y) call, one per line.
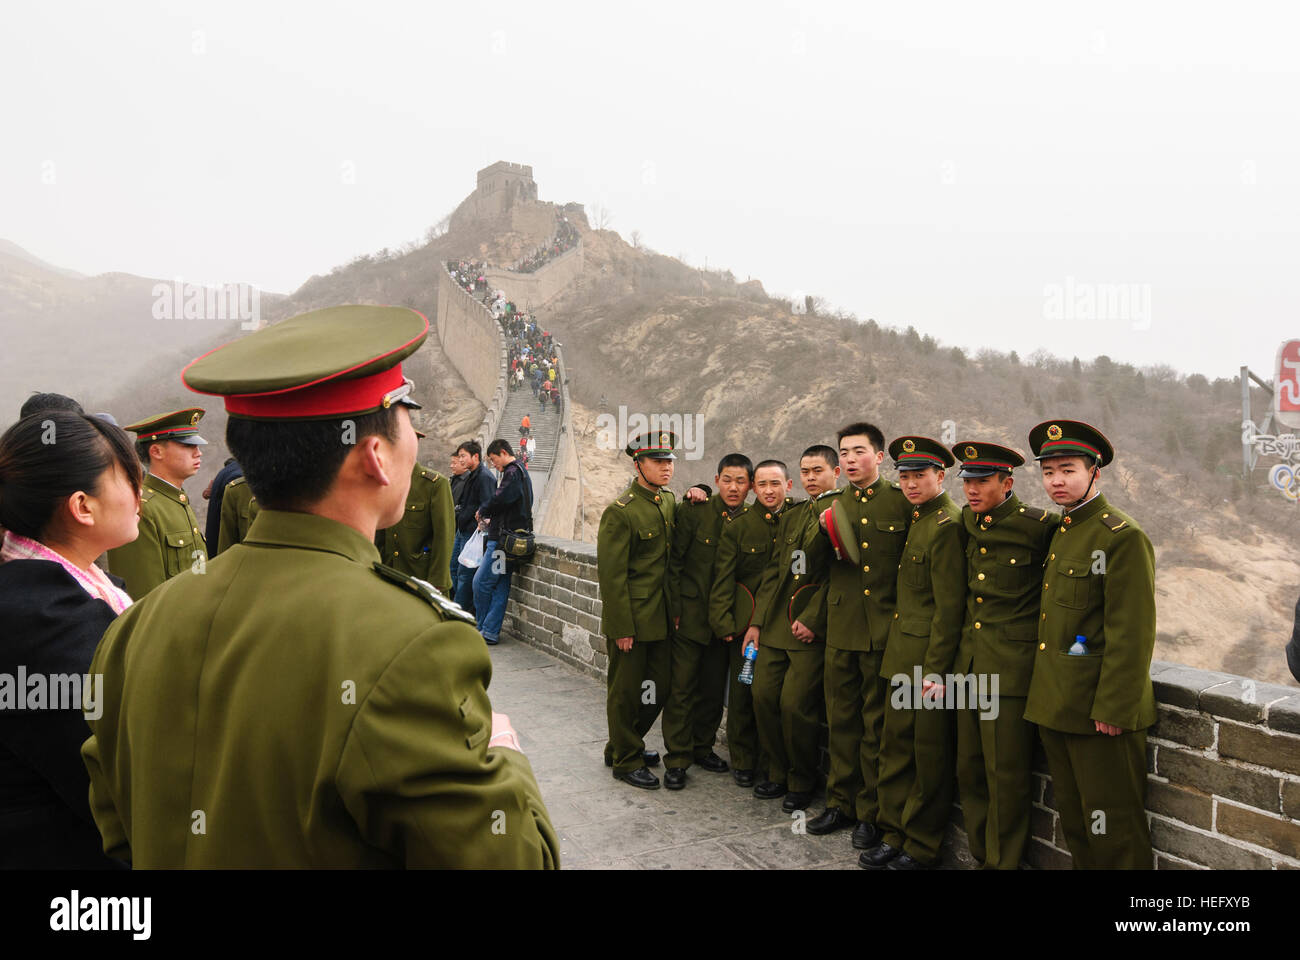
point(882, 607)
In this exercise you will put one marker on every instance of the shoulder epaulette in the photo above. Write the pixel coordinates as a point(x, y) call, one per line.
point(1114, 521)
point(425, 591)
point(624, 500)
point(146, 494)
point(1034, 513)
point(941, 516)
point(894, 485)
point(237, 480)
point(827, 493)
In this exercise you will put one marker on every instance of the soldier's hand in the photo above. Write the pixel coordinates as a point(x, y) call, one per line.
point(751, 637)
point(1108, 729)
point(801, 632)
point(677, 622)
point(696, 495)
point(624, 643)
point(503, 733)
point(822, 519)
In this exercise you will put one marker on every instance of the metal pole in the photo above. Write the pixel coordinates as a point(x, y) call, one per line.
point(1245, 416)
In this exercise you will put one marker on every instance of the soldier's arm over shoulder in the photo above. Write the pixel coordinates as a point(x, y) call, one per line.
point(1129, 621)
point(684, 526)
point(416, 773)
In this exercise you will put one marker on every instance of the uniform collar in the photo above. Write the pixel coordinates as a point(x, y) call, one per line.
point(307, 531)
point(1008, 506)
point(644, 494)
point(1085, 512)
point(869, 491)
point(927, 508)
point(159, 485)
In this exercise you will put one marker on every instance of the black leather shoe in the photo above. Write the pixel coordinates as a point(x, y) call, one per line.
point(905, 861)
point(878, 856)
point(865, 835)
point(640, 777)
point(713, 763)
point(650, 758)
point(796, 800)
point(743, 778)
point(675, 778)
point(828, 821)
point(769, 790)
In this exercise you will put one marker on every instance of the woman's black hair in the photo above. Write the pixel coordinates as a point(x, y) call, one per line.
point(47, 456)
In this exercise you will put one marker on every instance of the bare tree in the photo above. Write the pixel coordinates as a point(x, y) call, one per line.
point(635, 237)
point(600, 216)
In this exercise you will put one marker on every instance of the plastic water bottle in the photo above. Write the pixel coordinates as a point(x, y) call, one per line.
point(747, 671)
point(1079, 647)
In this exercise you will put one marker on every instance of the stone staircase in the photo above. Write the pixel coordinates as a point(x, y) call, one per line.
point(545, 430)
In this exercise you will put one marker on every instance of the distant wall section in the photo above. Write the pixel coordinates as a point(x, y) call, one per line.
point(472, 341)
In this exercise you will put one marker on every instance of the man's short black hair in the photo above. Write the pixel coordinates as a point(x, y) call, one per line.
point(500, 446)
point(46, 402)
point(291, 464)
point(785, 471)
point(472, 448)
point(737, 460)
point(825, 452)
point(862, 429)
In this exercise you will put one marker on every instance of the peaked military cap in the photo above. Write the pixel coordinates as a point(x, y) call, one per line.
point(655, 445)
point(844, 539)
point(179, 425)
point(979, 459)
point(336, 362)
point(917, 453)
point(1070, 438)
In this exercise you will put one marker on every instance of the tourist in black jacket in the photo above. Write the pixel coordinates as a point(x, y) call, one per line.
point(476, 489)
point(69, 490)
point(510, 508)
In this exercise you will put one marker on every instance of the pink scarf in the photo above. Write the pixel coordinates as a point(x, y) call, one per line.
point(94, 581)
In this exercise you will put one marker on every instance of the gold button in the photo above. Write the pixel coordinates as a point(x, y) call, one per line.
point(895, 616)
point(1042, 646)
point(866, 593)
point(1044, 617)
point(183, 500)
point(864, 519)
point(1013, 559)
point(977, 624)
point(1044, 586)
point(1052, 557)
point(980, 577)
point(796, 576)
point(195, 529)
point(984, 549)
point(1063, 529)
point(1070, 571)
point(891, 526)
point(1105, 515)
point(182, 543)
point(866, 569)
point(864, 544)
point(979, 599)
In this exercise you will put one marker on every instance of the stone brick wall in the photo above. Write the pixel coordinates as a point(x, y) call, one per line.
point(471, 338)
point(559, 510)
point(1223, 759)
point(532, 291)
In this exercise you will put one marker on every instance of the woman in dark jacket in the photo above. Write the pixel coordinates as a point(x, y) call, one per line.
point(69, 490)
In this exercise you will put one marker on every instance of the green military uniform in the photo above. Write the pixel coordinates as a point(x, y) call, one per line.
point(1098, 584)
point(238, 508)
point(699, 659)
point(916, 748)
point(743, 553)
point(857, 607)
point(637, 598)
point(170, 540)
point(307, 707)
point(1005, 550)
point(420, 543)
point(788, 696)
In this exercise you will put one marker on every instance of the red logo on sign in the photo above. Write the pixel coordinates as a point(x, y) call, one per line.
point(1288, 377)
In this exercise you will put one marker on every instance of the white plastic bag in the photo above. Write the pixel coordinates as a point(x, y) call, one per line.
point(471, 555)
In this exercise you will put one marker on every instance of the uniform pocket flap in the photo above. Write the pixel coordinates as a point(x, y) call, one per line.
point(647, 534)
point(1074, 568)
point(891, 525)
point(916, 627)
point(417, 506)
point(1015, 558)
point(182, 539)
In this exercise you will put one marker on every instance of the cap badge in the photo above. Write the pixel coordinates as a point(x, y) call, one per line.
point(1054, 432)
point(971, 453)
point(908, 446)
point(665, 440)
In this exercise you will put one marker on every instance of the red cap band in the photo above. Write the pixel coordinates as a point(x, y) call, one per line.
point(332, 398)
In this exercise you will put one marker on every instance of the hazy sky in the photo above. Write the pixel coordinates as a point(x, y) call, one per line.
point(1112, 178)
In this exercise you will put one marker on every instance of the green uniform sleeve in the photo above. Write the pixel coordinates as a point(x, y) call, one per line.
point(948, 581)
point(442, 513)
point(815, 552)
point(107, 662)
point(140, 563)
point(672, 586)
point(613, 548)
point(686, 521)
point(229, 533)
point(416, 773)
point(1129, 622)
point(722, 597)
